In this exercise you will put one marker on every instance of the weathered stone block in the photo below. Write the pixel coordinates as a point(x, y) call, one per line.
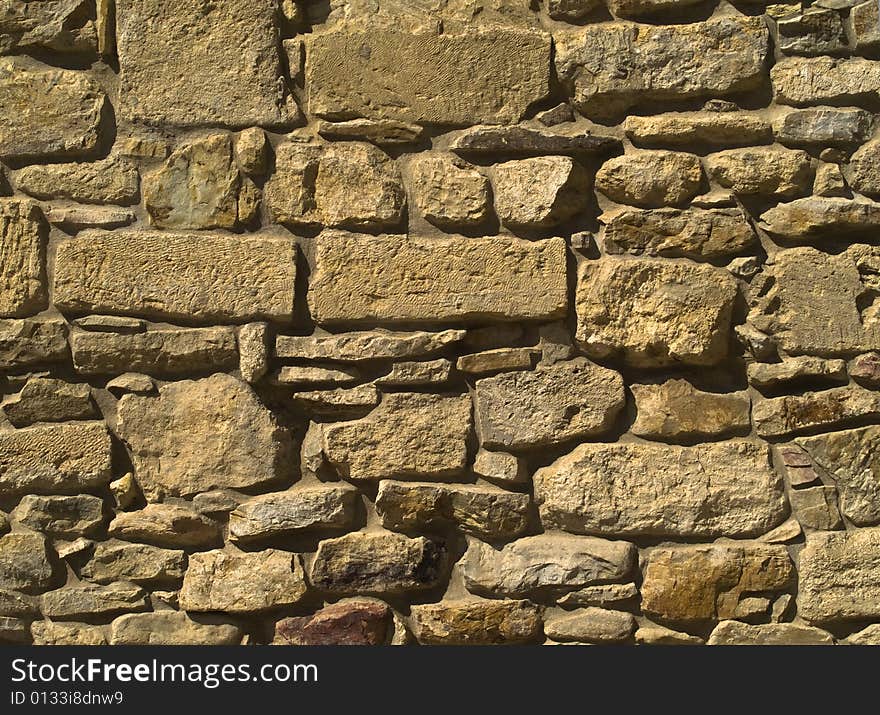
point(23, 234)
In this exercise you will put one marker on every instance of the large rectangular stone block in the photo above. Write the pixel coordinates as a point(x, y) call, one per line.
point(399, 279)
point(488, 76)
point(188, 277)
point(191, 63)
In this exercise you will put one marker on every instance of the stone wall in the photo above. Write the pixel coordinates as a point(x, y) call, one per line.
point(439, 321)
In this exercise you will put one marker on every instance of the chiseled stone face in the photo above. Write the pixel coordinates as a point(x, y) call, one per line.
point(23, 232)
point(189, 64)
point(489, 76)
point(654, 313)
point(436, 280)
point(706, 491)
point(651, 179)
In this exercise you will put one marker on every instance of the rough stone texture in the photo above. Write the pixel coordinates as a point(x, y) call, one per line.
point(738, 633)
point(725, 489)
point(591, 625)
point(417, 374)
point(490, 75)
point(166, 525)
point(561, 402)
point(837, 576)
point(365, 345)
point(29, 342)
point(253, 349)
point(612, 67)
point(483, 141)
point(51, 633)
point(824, 126)
point(500, 467)
point(720, 130)
point(50, 400)
point(795, 414)
point(862, 172)
point(654, 312)
point(498, 360)
point(651, 179)
point(171, 628)
point(685, 584)
point(814, 218)
point(24, 563)
point(824, 80)
point(49, 112)
point(87, 600)
point(476, 622)
point(351, 622)
point(796, 369)
point(695, 233)
point(62, 26)
point(221, 279)
point(201, 435)
point(546, 564)
point(64, 516)
point(64, 458)
point(140, 563)
point(188, 64)
point(482, 279)
point(487, 512)
point(816, 508)
point(166, 352)
point(539, 192)
point(300, 509)
point(242, 582)
point(675, 410)
point(763, 171)
point(109, 181)
point(377, 563)
point(449, 193)
point(409, 435)
point(818, 31)
point(22, 258)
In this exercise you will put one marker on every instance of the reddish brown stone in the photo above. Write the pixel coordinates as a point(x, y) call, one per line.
point(345, 623)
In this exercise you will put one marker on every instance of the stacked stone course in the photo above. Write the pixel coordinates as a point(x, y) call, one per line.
point(447, 322)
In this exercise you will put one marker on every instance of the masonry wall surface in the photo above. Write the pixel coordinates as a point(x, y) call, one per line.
point(439, 322)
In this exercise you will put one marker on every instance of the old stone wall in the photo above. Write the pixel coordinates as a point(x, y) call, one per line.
point(439, 321)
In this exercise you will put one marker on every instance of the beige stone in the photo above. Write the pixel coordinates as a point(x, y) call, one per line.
point(651, 179)
point(23, 235)
point(134, 382)
point(216, 278)
point(252, 151)
point(300, 509)
point(864, 22)
point(590, 625)
point(88, 600)
point(862, 171)
point(607, 595)
point(852, 459)
point(51, 633)
point(379, 562)
point(417, 373)
point(867, 636)
point(654, 313)
point(448, 192)
point(476, 622)
point(762, 171)
point(65, 516)
point(486, 512)
point(199, 435)
point(168, 352)
point(823, 127)
point(816, 508)
point(339, 403)
point(837, 576)
point(675, 410)
point(795, 414)
point(306, 376)
point(816, 218)
point(61, 26)
point(197, 187)
point(409, 435)
point(796, 369)
point(111, 324)
point(545, 564)
point(238, 582)
point(357, 346)
point(484, 142)
point(500, 467)
point(253, 350)
point(165, 628)
point(187, 64)
point(49, 113)
point(73, 218)
point(697, 583)
point(109, 181)
point(652, 634)
point(29, 342)
point(382, 132)
point(50, 400)
point(611, 67)
point(694, 233)
point(639, 8)
point(166, 525)
point(568, 400)
point(437, 280)
point(489, 75)
point(63, 458)
point(812, 290)
point(539, 192)
point(803, 81)
point(721, 130)
point(829, 181)
point(24, 563)
point(139, 563)
point(737, 633)
point(620, 490)
point(498, 360)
